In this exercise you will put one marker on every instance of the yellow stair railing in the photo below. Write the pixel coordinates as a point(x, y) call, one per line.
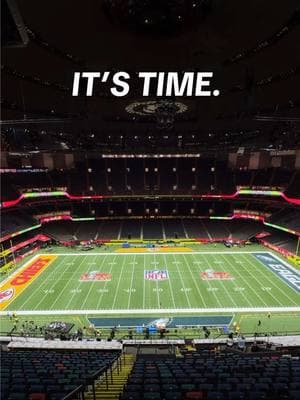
point(110, 385)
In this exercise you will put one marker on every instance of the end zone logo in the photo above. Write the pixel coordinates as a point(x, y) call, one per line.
point(31, 271)
point(284, 272)
point(95, 276)
point(6, 294)
point(22, 278)
point(210, 275)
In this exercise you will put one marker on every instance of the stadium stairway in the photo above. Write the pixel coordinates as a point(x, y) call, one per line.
point(115, 386)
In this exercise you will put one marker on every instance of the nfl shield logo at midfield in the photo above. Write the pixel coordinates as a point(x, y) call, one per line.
point(156, 274)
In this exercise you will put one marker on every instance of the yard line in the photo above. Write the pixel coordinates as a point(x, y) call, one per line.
point(246, 283)
point(55, 281)
point(187, 298)
point(34, 292)
point(157, 292)
point(171, 290)
point(269, 282)
point(70, 281)
point(117, 288)
point(253, 276)
point(194, 280)
point(243, 280)
point(273, 282)
point(259, 283)
point(92, 283)
point(227, 291)
point(110, 271)
point(144, 281)
point(216, 297)
point(133, 268)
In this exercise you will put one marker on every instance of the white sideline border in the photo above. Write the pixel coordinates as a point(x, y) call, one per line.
point(157, 253)
point(154, 311)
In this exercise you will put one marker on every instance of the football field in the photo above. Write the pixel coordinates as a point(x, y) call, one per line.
point(149, 282)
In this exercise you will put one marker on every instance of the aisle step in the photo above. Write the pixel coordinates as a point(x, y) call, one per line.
point(113, 390)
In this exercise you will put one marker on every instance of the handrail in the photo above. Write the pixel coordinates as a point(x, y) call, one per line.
point(79, 389)
point(168, 336)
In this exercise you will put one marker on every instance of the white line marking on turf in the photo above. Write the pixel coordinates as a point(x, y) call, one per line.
point(253, 276)
point(91, 283)
point(151, 253)
point(34, 291)
point(245, 282)
point(156, 311)
point(45, 282)
point(144, 282)
point(171, 290)
point(194, 280)
point(208, 282)
point(106, 282)
point(68, 284)
point(117, 288)
point(157, 291)
point(273, 283)
point(183, 285)
point(132, 273)
point(226, 290)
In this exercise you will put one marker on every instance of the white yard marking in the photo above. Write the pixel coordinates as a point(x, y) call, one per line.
point(157, 292)
point(63, 291)
point(171, 290)
point(118, 285)
point(150, 253)
point(273, 283)
point(132, 274)
point(104, 290)
point(147, 310)
point(195, 282)
point(156, 311)
point(92, 283)
point(144, 282)
point(209, 284)
point(43, 283)
point(183, 285)
point(226, 290)
point(244, 282)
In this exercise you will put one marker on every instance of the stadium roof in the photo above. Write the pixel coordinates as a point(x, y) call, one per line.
point(252, 48)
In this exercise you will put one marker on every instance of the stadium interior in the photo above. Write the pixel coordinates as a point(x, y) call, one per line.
point(150, 247)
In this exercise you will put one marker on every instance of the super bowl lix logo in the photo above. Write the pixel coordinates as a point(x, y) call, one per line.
point(6, 295)
point(95, 276)
point(156, 275)
point(211, 275)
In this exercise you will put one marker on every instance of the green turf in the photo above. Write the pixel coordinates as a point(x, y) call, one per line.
point(59, 288)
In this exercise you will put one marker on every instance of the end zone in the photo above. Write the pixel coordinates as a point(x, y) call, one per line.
point(15, 285)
